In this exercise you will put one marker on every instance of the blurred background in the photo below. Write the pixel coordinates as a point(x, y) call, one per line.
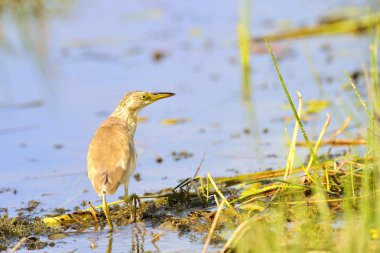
point(65, 64)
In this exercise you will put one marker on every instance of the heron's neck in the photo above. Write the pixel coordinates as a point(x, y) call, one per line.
point(129, 117)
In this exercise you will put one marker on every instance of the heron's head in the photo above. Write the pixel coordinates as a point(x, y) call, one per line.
point(136, 100)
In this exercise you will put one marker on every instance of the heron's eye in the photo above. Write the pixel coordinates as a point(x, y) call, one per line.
point(144, 97)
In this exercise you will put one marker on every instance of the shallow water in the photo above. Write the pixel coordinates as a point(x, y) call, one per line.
point(96, 52)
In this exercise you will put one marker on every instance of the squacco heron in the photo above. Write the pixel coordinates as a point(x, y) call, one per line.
point(111, 157)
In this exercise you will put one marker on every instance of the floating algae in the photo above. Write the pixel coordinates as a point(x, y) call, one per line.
point(22, 226)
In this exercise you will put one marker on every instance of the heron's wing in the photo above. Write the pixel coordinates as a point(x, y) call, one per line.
point(109, 155)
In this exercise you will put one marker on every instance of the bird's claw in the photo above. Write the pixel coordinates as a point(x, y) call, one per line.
point(134, 202)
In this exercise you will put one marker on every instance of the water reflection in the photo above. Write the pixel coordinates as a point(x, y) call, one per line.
point(109, 245)
point(138, 237)
point(243, 31)
point(141, 239)
point(254, 125)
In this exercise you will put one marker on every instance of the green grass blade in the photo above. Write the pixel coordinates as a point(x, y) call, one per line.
point(291, 102)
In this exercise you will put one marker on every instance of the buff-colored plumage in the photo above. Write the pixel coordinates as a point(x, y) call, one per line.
point(111, 157)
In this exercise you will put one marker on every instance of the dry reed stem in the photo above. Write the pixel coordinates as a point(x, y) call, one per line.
point(364, 22)
point(213, 226)
point(217, 190)
point(341, 128)
point(340, 142)
point(18, 245)
point(327, 122)
point(290, 160)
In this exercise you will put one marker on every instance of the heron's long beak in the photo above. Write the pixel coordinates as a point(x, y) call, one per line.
point(160, 95)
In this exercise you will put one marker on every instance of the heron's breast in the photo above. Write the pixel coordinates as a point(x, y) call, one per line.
point(111, 148)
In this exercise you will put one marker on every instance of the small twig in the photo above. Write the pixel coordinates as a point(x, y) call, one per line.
point(18, 245)
point(192, 180)
point(341, 128)
point(171, 194)
point(93, 211)
point(199, 167)
point(183, 183)
point(117, 202)
point(213, 226)
point(80, 221)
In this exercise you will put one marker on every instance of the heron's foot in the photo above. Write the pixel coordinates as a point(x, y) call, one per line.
point(133, 201)
point(107, 212)
point(126, 200)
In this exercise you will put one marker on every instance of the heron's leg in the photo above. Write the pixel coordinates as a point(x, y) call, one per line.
point(106, 211)
point(134, 200)
point(126, 197)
